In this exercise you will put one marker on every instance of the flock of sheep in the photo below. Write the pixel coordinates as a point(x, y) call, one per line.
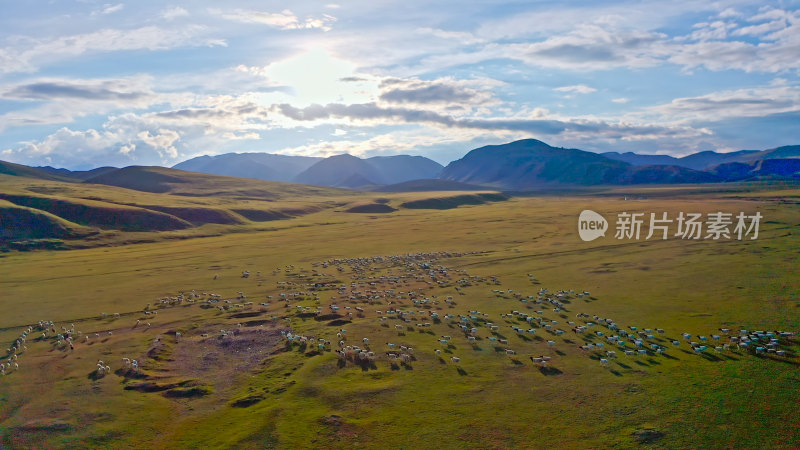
point(399, 292)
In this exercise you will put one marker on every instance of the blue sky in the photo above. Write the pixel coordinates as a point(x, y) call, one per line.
point(89, 83)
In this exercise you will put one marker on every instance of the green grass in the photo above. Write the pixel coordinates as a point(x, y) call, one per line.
point(298, 400)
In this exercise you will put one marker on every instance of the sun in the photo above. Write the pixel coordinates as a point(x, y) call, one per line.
point(318, 77)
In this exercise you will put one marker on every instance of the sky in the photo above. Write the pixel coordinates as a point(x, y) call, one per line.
point(89, 83)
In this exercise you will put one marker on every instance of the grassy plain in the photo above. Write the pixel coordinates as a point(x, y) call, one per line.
point(261, 392)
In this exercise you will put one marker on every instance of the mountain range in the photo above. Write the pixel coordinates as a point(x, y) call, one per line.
point(707, 159)
point(345, 171)
point(526, 164)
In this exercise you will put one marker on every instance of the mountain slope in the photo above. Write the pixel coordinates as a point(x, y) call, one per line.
point(353, 172)
point(193, 184)
point(18, 170)
point(529, 163)
point(637, 159)
point(401, 168)
point(766, 168)
point(260, 166)
point(77, 174)
point(340, 170)
point(707, 159)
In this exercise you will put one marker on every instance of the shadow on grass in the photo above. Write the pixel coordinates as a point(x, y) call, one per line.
point(549, 371)
point(710, 357)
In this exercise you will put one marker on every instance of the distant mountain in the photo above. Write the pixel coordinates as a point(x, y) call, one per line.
point(353, 172)
point(340, 170)
point(707, 159)
point(19, 170)
point(696, 161)
point(637, 159)
point(530, 163)
point(401, 168)
point(78, 174)
point(765, 168)
point(260, 166)
point(787, 151)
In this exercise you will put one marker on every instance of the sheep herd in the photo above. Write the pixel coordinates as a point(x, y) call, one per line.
point(357, 302)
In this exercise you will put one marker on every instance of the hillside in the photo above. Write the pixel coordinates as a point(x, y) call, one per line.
point(78, 175)
point(144, 203)
point(152, 204)
point(179, 182)
point(19, 170)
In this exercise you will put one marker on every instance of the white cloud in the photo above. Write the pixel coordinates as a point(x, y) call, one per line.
point(620, 100)
point(173, 13)
point(162, 140)
point(576, 89)
point(284, 20)
point(29, 53)
point(108, 9)
point(62, 100)
point(716, 106)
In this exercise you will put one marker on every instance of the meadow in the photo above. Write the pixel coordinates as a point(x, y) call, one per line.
point(251, 386)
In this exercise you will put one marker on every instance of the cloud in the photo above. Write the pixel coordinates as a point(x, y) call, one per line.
point(717, 106)
point(375, 114)
point(576, 89)
point(620, 100)
point(284, 20)
point(163, 140)
point(99, 90)
point(462, 37)
point(28, 53)
point(59, 100)
point(173, 13)
point(440, 91)
point(108, 9)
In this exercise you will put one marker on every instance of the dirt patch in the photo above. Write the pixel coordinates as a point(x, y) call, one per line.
point(218, 360)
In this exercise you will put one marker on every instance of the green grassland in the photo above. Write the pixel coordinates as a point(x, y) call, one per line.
point(256, 389)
